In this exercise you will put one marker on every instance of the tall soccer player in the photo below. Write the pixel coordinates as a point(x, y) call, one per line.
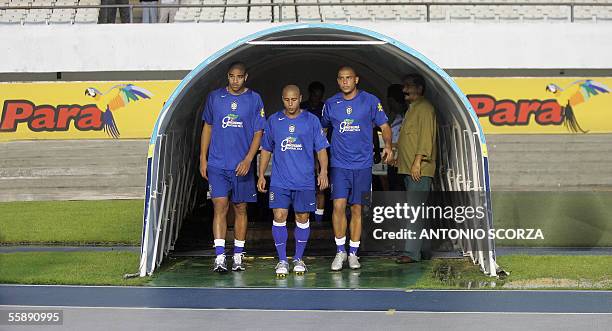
point(352, 114)
point(234, 119)
point(291, 136)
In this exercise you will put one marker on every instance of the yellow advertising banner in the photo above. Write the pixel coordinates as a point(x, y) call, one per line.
point(541, 105)
point(110, 110)
point(81, 110)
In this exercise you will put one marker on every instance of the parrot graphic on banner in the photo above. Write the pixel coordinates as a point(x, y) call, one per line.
point(114, 99)
point(572, 95)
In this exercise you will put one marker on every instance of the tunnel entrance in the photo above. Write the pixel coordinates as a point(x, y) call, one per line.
point(299, 54)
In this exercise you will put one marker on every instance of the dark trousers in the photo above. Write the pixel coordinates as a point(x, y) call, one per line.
point(417, 193)
point(109, 15)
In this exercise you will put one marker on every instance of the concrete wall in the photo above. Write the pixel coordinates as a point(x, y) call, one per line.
point(160, 47)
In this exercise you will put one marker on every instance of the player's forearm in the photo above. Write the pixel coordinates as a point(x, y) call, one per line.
point(322, 157)
point(263, 162)
point(205, 141)
point(387, 135)
point(254, 146)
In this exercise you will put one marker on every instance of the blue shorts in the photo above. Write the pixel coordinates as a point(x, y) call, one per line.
point(350, 184)
point(302, 201)
point(222, 182)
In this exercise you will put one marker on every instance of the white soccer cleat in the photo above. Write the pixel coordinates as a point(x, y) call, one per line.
point(299, 267)
point(353, 262)
point(338, 261)
point(220, 264)
point(282, 269)
point(238, 265)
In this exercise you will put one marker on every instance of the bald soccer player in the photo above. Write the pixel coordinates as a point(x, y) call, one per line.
point(352, 115)
point(290, 138)
point(234, 119)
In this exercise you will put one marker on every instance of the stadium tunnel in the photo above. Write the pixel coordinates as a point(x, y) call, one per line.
point(299, 54)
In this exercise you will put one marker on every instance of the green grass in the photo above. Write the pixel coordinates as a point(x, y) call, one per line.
point(74, 268)
point(526, 272)
point(567, 219)
point(71, 222)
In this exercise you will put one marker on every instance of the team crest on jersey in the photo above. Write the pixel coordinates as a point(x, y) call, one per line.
point(349, 110)
point(379, 106)
point(234, 105)
point(291, 128)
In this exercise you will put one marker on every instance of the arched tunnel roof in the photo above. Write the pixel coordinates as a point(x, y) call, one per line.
point(299, 53)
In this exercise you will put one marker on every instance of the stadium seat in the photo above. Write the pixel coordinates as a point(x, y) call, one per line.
point(438, 13)
point(288, 12)
point(308, 13)
point(236, 14)
point(411, 13)
point(260, 14)
point(460, 13)
point(38, 16)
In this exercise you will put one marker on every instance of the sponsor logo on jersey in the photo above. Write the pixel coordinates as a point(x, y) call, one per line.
point(231, 120)
point(379, 107)
point(347, 126)
point(289, 143)
point(271, 196)
point(262, 113)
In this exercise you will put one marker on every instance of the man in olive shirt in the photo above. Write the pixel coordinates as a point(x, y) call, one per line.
point(417, 154)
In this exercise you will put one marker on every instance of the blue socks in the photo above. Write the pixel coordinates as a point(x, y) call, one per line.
point(353, 247)
point(340, 244)
point(238, 246)
point(302, 232)
point(279, 233)
point(318, 214)
point(219, 246)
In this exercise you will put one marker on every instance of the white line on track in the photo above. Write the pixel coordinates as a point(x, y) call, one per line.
point(299, 310)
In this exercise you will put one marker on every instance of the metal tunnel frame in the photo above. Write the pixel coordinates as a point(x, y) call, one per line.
point(172, 190)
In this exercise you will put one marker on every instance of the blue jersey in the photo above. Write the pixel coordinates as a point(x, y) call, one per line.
point(234, 120)
point(352, 122)
point(292, 142)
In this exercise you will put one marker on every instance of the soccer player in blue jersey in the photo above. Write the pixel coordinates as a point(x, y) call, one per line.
point(352, 114)
point(290, 138)
point(314, 104)
point(234, 119)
